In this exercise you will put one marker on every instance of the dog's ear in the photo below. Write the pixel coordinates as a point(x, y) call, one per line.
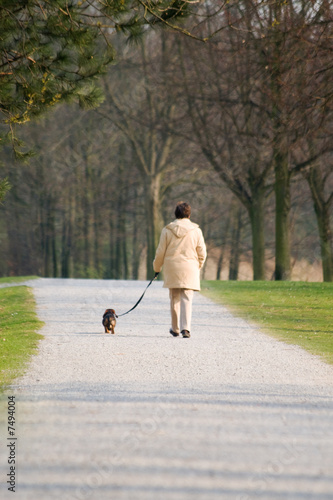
point(106, 311)
point(116, 315)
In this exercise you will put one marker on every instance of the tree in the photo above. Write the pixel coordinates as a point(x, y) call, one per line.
point(317, 177)
point(52, 52)
point(294, 90)
point(226, 119)
point(299, 67)
point(81, 200)
point(269, 87)
point(47, 55)
point(143, 117)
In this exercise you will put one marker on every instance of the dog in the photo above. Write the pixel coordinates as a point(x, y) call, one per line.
point(109, 320)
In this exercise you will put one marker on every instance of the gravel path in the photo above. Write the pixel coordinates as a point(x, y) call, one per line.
point(228, 414)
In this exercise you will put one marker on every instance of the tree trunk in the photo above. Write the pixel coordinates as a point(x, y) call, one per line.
point(49, 246)
point(112, 239)
point(68, 222)
point(97, 241)
point(224, 244)
point(256, 214)
point(77, 224)
point(117, 271)
point(325, 243)
point(135, 241)
point(280, 151)
point(220, 264)
point(125, 259)
point(282, 210)
point(54, 247)
point(86, 212)
point(235, 244)
point(154, 219)
point(321, 208)
point(121, 260)
point(65, 248)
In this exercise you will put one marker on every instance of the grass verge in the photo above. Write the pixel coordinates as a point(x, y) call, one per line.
point(295, 312)
point(18, 327)
point(17, 279)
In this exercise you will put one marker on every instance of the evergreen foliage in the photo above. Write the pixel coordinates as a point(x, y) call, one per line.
point(48, 55)
point(52, 51)
point(4, 187)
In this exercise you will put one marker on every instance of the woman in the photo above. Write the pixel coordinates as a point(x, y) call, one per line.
point(182, 252)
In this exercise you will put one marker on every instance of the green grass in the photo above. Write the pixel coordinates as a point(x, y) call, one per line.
point(18, 327)
point(295, 312)
point(17, 279)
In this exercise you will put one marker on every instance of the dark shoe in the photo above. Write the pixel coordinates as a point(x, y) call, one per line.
point(186, 334)
point(174, 334)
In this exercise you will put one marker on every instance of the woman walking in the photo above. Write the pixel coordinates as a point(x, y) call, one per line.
point(182, 253)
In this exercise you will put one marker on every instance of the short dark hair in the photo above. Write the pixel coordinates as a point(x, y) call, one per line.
point(183, 210)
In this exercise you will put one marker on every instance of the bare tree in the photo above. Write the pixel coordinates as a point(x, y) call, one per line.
point(134, 105)
point(253, 98)
point(227, 120)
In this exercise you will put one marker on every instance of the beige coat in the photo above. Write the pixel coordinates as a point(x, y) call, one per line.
point(182, 253)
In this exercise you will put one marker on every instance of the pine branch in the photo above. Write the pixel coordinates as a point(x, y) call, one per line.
point(4, 188)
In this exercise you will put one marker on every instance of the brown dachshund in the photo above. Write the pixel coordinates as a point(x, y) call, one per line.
point(109, 320)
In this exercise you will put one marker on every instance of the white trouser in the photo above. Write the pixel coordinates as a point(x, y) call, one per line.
point(181, 309)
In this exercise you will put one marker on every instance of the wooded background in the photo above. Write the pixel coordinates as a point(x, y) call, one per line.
point(240, 126)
